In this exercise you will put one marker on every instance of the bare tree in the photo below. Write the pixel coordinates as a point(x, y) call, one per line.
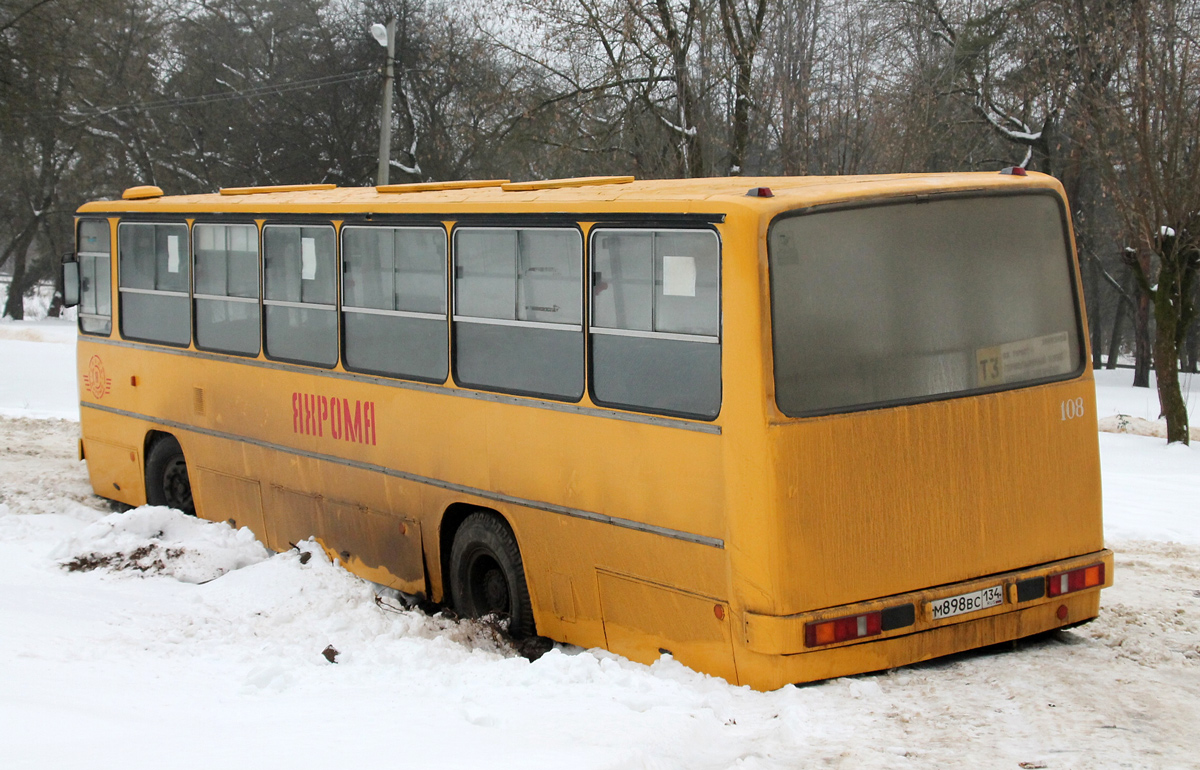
point(743, 26)
point(1147, 127)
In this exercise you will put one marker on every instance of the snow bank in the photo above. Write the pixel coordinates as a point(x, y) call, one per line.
point(1139, 426)
point(154, 539)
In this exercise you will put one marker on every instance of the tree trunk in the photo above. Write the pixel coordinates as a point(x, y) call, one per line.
point(690, 150)
point(1191, 348)
point(741, 120)
point(1141, 321)
point(1166, 361)
point(55, 250)
point(56, 302)
point(1189, 343)
point(1141, 342)
point(1093, 293)
point(14, 308)
point(1114, 337)
point(742, 40)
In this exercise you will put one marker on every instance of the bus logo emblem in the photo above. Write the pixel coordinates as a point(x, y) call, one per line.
point(94, 379)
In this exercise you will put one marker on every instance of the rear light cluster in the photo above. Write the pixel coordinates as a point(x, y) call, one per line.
point(823, 632)
point(1075, 580)
point(836, 630)
point(841, 629)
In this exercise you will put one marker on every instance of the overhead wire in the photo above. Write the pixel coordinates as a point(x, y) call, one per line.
point(274, 89)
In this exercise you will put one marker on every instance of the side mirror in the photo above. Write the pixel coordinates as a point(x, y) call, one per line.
point(70, 276)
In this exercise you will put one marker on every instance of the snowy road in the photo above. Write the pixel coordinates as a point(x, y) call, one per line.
point(129, 670)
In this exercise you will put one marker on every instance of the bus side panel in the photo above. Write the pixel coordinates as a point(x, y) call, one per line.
point(643, 620)
point(217, 493)
point(112, 444)
point(115, 470)
point(635, 593)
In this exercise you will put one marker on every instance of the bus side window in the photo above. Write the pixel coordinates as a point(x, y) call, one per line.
point(394, 301)
point(300, 294)
point(655, 326)
point(154, 282)
point(95, 277)
point(226, 296)
point(518, 313)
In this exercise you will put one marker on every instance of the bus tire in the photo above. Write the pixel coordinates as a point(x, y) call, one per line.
point(167, 481)
point(487, 576)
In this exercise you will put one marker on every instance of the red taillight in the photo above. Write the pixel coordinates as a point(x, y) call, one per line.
point(1075, 580)
point(836, 630)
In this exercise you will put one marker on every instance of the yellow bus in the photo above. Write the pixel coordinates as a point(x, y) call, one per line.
point(783, 429)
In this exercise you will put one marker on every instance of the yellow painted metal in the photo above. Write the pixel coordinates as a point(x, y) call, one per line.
point(275, 188)
point(142, 192)
point(465, 184)
point(788, 519)
point(558, 184)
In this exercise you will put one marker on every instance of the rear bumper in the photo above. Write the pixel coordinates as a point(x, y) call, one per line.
point(775, 652)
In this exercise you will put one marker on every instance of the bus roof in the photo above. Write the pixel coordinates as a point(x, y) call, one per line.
point(706, 195)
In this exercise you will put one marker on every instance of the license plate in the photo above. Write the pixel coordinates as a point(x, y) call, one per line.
point(992, 596)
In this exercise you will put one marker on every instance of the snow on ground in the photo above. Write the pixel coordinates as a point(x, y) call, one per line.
point(206, 650)
point(1115, 395)
point(38, 360)
point(1125, 409)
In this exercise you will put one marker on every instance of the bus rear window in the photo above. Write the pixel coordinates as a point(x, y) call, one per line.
point(907, 302)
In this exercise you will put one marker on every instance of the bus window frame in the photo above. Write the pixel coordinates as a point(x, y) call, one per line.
point(1070, 252)
point(653, 227)
point(300, 222)
point(80, 315)
point(235, 221)
point(514, 224)
point(164, 219)
point(405, 223)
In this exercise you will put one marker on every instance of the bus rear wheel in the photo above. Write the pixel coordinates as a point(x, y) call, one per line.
point(167, 480)
point(487, 576)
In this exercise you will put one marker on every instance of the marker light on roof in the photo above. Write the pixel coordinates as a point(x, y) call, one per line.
point(1075, 580)
point(1014, 171)
point(760, 192)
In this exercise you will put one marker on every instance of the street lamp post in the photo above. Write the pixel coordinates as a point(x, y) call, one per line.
point(386, 36)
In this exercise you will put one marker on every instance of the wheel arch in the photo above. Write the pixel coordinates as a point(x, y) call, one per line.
point(154, 491)
point(452, 519)
point(153, 436)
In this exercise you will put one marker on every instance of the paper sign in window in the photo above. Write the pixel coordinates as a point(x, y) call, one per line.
point(172, 253)
point(308, 258)
point(679, 276)
point(1029, 359)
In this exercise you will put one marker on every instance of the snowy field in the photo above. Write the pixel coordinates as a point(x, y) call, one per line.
point(212, 656)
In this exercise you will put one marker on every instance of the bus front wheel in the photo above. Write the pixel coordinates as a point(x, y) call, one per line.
point(487, 576)
point(167, 480)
